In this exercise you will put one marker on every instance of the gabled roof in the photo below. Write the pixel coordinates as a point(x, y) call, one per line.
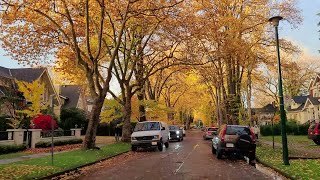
point(27, 74)
point(297, 109)
point(266, 109)
point(300, 99)
point(5, 72)
point(22, 74)
point(72, 94)
point(314, 101)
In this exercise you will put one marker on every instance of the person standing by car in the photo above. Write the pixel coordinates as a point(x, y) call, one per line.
point(117, 132)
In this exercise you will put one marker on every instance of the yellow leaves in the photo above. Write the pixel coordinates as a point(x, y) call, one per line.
point(112, 110)
point(20, 171)
point(34, 93)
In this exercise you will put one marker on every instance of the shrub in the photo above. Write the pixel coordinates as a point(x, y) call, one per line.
point(5, 149)
point(293, 128)
point(44, 122)
point(71, 117)
point(43, 144)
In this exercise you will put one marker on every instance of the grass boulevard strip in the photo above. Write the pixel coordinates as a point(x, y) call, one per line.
point(299, 168)
point(41, 167)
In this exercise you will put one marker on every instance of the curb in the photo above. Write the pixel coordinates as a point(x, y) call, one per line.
point(81, 166)
point(297, 158)
point(275, 169)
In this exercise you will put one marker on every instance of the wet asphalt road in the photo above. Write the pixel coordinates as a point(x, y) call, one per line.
point(189, 159)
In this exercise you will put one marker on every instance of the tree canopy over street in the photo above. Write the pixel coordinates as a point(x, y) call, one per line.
point(174, 60)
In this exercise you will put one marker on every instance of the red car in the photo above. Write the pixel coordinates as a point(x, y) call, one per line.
point(314, 133)
point(210, 132)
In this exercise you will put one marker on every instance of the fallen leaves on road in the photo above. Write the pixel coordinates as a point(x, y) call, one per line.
point(98, 166)
point(55, 149)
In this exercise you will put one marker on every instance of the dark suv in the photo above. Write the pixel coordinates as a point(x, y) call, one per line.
point(175, 133)
point(314, 133)
point(234, 139)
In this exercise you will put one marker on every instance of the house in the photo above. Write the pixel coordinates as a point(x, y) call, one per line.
point(264, 115)
point(73, 96)
point(8, 86)
point(304, 109)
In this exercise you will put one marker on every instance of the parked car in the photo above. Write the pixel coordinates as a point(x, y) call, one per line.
point(150, 134)
point(175, 133)
point(234, 139)
point(183, 131)
point(209, 132)
point(314, 133)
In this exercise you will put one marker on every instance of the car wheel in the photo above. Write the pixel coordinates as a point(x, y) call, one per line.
point(252, 156)
point(134, 148)
point(219, 154)
point(160, 146)
point(166, 144)
point(213, 150)
point(316, 141)
point(181, 139)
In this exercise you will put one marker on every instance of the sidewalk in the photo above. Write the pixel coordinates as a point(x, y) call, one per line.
point(296, 150)
point(26, 157)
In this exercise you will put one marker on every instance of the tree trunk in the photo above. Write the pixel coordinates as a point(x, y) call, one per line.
point(126, 128)
point(90, 138)
point(142, 109)
point(170, 115)
point(218, 115)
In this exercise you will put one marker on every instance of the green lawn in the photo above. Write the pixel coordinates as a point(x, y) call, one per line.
point(40, 167)
point(299, 169)
point(13, 155)
point(301, 140)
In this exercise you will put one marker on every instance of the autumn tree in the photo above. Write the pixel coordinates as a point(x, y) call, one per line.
point(33, 92)
point(87, 33)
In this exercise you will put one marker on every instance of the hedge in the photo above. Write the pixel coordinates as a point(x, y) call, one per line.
point(5, 149)
point(292, 129)
point(43, 144)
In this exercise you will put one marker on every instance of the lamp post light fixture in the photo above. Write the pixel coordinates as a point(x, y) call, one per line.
point(275, 22)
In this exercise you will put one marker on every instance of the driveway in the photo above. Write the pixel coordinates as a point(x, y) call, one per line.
point(189, 159)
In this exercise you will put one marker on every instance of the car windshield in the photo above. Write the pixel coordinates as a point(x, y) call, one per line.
point(147, 126)
point(212, 129)
point(237, 130)
point(173, 128)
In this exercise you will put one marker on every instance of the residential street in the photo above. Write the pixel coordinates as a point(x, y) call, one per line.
point(189, 159)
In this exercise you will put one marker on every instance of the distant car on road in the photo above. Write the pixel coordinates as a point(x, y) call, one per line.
point(209, 132)
point(150, 134)
point(234, 139)
point(314, 133)
point(175, 133)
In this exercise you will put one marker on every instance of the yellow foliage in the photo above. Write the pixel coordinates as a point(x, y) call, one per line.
point(33, 92)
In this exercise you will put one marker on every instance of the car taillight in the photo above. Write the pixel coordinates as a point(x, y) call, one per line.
point(316, 132)
point(223, 134)
point(253, 136)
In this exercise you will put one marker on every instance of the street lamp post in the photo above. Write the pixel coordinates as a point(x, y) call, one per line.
point(275, 22)
point(52, 126)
